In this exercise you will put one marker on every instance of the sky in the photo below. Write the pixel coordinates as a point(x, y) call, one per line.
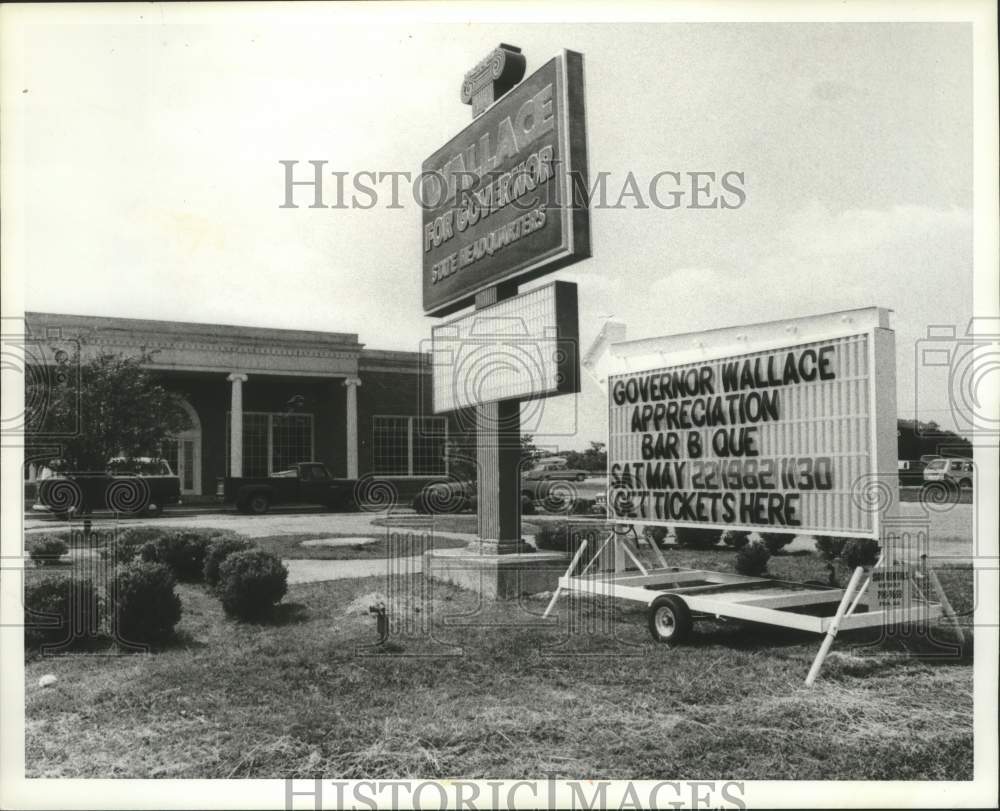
point(150, 183)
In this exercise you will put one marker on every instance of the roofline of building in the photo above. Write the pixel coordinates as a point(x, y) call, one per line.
point(192, 329)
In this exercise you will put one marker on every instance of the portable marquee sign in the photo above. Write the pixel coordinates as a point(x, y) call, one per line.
point(787, 426)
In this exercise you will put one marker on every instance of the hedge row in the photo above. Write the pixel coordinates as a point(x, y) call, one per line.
point(139, 604)
point(852, 552)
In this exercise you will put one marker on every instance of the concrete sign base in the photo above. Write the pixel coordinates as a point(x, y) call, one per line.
point(504, 576)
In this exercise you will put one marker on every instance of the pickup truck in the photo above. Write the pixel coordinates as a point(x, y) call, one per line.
point(302, 483)
point(135, 486)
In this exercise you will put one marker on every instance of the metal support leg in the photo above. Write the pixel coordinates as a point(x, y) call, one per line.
point(569, 571)
point(831, 633)
point(946, 608)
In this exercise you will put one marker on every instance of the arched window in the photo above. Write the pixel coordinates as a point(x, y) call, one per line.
point(183, 452)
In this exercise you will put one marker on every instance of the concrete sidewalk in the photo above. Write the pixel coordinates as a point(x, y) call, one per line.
point(318, 571)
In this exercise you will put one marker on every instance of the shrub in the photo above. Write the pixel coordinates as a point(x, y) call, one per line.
point(125, 545)
point(59, 610)
point(830, 546)
point(656, 534)
point(552, 537)
point(250, 583)
point(183, 552)
point(47, 550)
point(695, 538)
point(145, 606)
point(735, 540)
point(563, 538)
point(860, 552)
point(776, 541)
point(218, 550)
point(752, 558)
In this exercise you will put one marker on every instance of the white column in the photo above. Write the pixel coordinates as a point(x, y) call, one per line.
point(351, 384)
point(236, 424)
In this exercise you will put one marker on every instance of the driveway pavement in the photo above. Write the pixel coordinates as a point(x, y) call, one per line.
point(951, 531)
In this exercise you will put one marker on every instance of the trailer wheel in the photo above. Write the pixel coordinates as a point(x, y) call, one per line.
point(258, 503)
point(669, 619)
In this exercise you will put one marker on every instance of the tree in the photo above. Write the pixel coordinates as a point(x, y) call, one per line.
point(112, 406)
point(916, 439)
point(529, 451)
point(461, 453)
point(594, 459)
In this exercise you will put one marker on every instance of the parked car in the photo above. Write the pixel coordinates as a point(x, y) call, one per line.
point(127, 486)
point(927, 458)
point(957, 471)
point(446, 496)
point(454, 496)
point(554, 471)
point(302, 483)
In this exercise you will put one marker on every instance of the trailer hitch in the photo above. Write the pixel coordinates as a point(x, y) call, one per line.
point(381, 622)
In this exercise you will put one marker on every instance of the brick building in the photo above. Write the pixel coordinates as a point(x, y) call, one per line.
point(261, 399)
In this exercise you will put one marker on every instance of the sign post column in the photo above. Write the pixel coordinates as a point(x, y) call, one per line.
point(498, 211)
point(498, 462)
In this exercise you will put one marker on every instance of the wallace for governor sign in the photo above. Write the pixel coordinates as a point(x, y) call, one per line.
point(797, 437)
point(498, 199)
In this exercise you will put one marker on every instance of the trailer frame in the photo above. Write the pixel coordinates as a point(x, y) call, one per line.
point(724, 595)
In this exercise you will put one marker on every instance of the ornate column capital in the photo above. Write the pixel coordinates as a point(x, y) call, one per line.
point(237, 377)
point(352, 381)
point(492, 77)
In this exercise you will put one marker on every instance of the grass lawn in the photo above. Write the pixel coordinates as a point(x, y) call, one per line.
point(506, 695)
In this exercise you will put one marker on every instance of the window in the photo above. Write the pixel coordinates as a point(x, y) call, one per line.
point(409, 446)
point(273, 442)
point(291, 441)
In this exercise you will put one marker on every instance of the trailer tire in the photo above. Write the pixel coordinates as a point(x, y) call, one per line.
point(669, 619)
